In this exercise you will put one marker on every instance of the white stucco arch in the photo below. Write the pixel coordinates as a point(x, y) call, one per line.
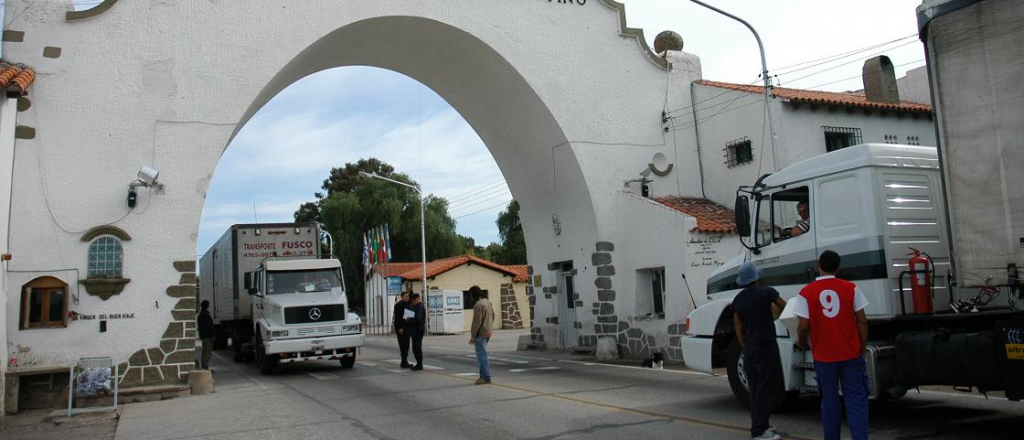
point(566, 98)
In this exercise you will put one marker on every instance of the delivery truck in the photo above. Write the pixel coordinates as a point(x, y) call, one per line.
point(933, 236)
point(265, 319)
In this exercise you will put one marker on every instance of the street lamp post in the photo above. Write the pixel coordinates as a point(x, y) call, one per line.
point(423, 220)
point(764, 74)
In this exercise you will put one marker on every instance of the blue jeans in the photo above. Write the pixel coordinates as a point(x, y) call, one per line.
point(852, 375)
point(481, 358)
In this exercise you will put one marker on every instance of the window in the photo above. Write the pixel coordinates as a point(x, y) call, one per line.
point(788, 210)
point(837, 138)
point(467, 299)
point(105, 254)
point(738, 152)
point(44, 304)
point(650, 292)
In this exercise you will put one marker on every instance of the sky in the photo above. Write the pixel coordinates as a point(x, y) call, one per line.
point(281, 157)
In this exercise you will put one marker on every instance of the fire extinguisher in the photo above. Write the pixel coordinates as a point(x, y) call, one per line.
point(921, 282)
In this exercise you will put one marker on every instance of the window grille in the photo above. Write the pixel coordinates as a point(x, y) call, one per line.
point(105, 258)
point(738, 152)
point(837, 138)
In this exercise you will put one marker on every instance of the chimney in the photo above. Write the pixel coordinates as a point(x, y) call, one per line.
point(880, 81)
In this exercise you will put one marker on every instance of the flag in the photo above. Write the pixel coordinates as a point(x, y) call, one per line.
point(366, 255)
point(387, 241)
point(380, 245)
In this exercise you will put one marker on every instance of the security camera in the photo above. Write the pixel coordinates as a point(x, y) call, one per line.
point(148, 175)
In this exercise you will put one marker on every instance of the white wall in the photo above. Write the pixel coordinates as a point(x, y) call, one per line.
point(914, 86)
point(800, 135)
point(8, 113)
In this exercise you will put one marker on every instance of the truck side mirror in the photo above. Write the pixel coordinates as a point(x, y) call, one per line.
point(742, 211)
point(250, 285)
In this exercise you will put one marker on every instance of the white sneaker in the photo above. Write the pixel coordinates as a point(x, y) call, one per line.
point(768, 435)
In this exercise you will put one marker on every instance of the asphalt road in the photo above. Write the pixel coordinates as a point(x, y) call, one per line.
point(535, 395)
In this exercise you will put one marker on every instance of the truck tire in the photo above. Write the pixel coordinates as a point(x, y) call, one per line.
point(236, 347)
point(220, 338)
point(738, 381)
point(737, 378)
point(267, 363)
point(348, 362)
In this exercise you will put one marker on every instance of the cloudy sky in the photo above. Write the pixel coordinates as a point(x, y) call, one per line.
point(281, 157)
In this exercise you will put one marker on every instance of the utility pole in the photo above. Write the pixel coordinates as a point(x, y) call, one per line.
point(764, 74)
point(423, 227)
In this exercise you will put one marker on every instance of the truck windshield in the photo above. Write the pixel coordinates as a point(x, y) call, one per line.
point(303, 281)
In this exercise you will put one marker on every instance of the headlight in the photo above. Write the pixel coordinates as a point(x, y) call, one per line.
point(350, 329)
point(279, 334)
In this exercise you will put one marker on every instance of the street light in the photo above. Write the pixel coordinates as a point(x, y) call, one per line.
point(423, 228)
point(764, 73)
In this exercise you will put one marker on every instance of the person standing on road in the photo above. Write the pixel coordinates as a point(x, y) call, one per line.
point(207, 332)
point(401, 328)
point(480, 332)
point(831, 313)
point(755, 331)
point(417, 327)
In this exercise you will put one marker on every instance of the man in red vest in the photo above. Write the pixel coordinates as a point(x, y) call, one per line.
point(831, 313)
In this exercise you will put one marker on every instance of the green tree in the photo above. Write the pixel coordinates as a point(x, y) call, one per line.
point(513, 242)
point(352, 204)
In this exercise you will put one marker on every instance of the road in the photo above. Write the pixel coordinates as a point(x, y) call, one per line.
point(536, 395)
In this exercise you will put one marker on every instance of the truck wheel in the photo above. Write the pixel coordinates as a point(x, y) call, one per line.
point(737, 378)
point(220, 339)
point(267, 363)
point(348, 362)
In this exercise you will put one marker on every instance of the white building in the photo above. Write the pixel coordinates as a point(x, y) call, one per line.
point(569, 106)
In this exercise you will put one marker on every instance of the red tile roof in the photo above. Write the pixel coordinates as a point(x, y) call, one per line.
point(823, 98)
point(522, 272)
point(16, 77)
point(414, 271)
point(711, 217)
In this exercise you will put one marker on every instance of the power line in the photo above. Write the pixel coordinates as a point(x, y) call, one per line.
point(861, 76)
point(477, 190)
point(484, 210)
point(848, 62)
point(478, 197)
point(462, 208)
point(837, 57)
point(691, 106)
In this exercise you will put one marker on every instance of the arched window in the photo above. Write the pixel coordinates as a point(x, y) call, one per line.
point(105, 257)
point(44, 304)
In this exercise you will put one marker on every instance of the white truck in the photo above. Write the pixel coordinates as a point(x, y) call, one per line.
point(239, 313)
point(300, 313)
point(961, 205)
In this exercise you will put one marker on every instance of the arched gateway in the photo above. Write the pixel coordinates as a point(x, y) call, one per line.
point(566, 98)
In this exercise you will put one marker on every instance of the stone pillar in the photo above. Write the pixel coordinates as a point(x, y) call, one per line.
point(510, 318)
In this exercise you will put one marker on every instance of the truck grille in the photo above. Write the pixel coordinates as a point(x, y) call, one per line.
point(323, 330)
point(305, 314)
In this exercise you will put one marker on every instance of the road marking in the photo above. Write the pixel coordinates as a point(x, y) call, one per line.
point(368, 364)
point(242, 373)
point(569, 361)
point(522, 370)
point(394, 370)
point(465, 374)
point(321, 376)
point(724, 427)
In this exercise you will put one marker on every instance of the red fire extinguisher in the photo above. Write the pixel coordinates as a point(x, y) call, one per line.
point(921, 282)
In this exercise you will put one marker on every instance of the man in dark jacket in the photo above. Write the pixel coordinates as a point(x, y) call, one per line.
point(755, 331)
point(417, 327)
point(207, 332)
point(401, 328)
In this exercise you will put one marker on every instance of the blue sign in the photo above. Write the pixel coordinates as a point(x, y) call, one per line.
point(454, 301)
point(394, 286)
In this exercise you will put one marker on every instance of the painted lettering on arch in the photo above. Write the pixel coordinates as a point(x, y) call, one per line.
point(569, 2)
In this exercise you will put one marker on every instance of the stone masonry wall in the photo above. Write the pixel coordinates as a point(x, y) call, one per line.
point(510, 317)
point(170, 362)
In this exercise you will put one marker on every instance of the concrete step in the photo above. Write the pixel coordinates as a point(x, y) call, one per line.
point(137, 394)
point(583, 350)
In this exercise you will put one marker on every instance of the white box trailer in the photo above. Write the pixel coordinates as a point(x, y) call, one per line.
point(242, 249)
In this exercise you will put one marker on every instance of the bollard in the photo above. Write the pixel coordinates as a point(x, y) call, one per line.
point(201, 382)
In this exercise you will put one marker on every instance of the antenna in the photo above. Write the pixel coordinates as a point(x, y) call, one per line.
point(690, 291)
point(254, 217)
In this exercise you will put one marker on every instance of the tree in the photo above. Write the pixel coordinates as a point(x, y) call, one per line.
point(353, 204)
point(513, 242)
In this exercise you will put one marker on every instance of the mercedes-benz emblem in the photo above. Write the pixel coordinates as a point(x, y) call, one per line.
point(314, 313)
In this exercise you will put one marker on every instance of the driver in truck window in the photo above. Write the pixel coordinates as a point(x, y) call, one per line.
point(804, 224)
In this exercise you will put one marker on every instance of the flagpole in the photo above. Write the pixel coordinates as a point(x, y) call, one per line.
point(423, 222)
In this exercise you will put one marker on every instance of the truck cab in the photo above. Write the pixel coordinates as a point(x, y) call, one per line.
point(874, 204)
point(300, 313)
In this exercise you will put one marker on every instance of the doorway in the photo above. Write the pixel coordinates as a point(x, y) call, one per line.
point(567, 304)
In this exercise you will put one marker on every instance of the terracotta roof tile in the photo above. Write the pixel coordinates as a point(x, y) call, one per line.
point(414, 271)
point(711, 217)
point(522, 272)
point(823, 98)
point(16, 77)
